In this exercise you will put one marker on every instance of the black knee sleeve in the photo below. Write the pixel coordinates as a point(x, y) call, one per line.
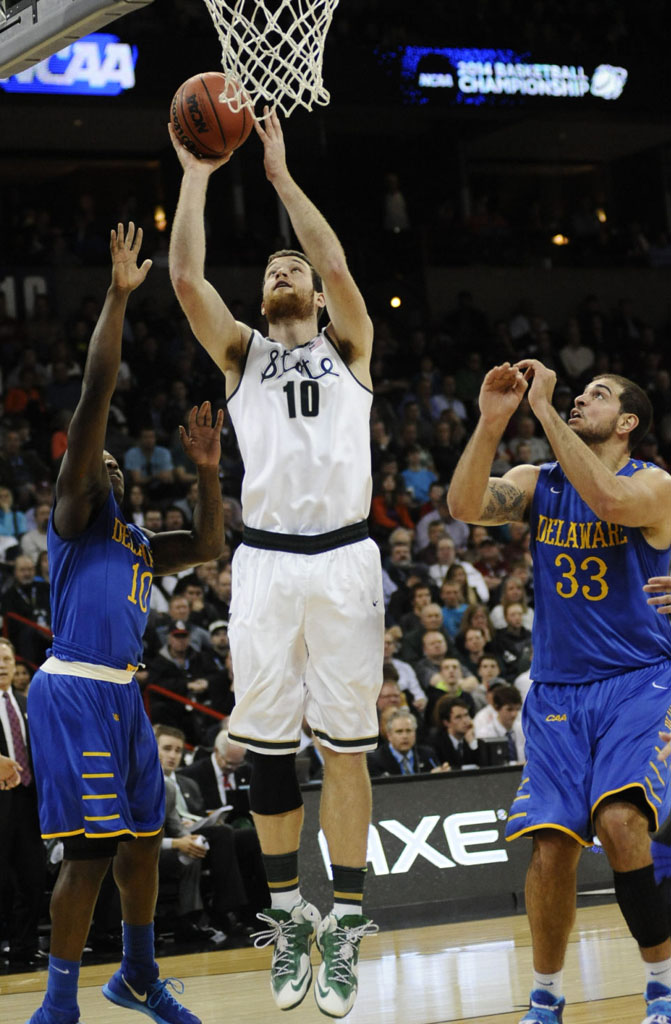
point(273, 786)
point(641, 905)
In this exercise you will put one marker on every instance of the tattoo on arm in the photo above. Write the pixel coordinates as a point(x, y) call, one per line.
point(505, 503)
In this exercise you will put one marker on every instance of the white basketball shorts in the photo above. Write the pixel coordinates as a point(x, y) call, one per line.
point(307, 637)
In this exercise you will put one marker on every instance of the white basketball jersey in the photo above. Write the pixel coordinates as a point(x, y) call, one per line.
point(302, 423)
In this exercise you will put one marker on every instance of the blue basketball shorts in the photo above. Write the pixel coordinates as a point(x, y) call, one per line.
point(589, 741)
point(95, 758)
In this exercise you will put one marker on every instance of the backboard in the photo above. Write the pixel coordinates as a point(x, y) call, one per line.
point(31, 30)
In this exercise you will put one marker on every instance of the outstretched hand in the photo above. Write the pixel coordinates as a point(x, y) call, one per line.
point(274, 152)
point(501, 393)
point(125, 249)
point(189, 160)
point(201, 441)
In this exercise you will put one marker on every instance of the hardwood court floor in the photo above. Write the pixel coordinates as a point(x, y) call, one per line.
point(461, 973)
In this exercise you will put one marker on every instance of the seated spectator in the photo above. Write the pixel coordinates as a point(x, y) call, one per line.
point(453, 607)
point(200, 612)
point(420, 597)
point(233, 856)
point(178, 611)
point(538, 450)
point(429, 555)
point(448, 400)
point(23, 675)
point(413, 647)
point(150, 464)
point(223, 778)
point(575, 358)
point(34, 542)
point(455, 529)
point(20, 468)
point(444, 453)
point(446, 558)
point(512, 592)
point(389, 507)
point(174, 518)
point(381, 443)
point(489, 674)
point(453, 738)
point(435, 648)
point(28, 598)
point(390, 695)
point(501, 720)
point(407, 678)
point(417, 477)
point(513, 644)
point(215, 666)
point(42, 567)
point(473, 644)
point(489, 563)
point(12, 521)
point(457, 574)
point(450, 682)
point(477, 617)
point(399, 564)
point(400, 754)
point(179, 668)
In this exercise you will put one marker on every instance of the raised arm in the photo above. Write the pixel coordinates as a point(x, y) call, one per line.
point(83, 481)
point(181, 549)
point(642, 500)
point(223, 337)
point(474, 496)
point(346, 307)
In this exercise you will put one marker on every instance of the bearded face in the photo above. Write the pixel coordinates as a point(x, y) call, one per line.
point(288, 303)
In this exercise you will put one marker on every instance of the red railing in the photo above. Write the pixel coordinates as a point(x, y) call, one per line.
point(44, 630)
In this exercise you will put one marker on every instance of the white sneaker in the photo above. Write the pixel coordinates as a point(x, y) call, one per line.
point(338, 978)
point(293, 934)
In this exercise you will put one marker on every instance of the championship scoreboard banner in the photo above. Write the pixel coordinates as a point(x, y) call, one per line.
point(97, 65)
point(497, 77)
point(436, 850)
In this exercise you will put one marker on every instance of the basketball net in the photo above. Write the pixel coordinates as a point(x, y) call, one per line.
point(273, 51)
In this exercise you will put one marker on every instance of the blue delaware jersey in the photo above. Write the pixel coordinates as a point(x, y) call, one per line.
point(591, 619)
point(100, 588)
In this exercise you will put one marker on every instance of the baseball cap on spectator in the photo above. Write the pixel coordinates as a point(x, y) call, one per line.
point(219, 624)
point(179, 629)
point(496, 681)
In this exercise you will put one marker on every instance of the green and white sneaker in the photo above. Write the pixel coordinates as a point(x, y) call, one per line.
point(292, 934)
point(338, 978)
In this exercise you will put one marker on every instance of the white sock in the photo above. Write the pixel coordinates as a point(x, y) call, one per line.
point(342, 909)
point(659, 972)
point(551, 983)
point(285, 900)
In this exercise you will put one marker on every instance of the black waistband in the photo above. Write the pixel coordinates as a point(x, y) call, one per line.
point(302, 544)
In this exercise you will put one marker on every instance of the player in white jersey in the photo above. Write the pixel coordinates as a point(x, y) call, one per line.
point(307, 614)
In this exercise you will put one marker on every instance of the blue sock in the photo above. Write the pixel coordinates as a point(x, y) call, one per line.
point(661, 858)
point(138, 962)
point(62, 981)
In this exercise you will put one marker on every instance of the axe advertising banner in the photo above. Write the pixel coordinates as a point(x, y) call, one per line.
point(436, 850)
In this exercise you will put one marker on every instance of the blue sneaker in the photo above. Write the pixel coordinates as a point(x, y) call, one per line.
point(156, 1002)
point(544, 1008)
point(658, 998)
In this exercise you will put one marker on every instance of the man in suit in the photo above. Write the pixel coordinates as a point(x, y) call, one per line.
point(22, 859)
point(234, 855)
point(223, 779)
point(454, 742)
point(401, 755)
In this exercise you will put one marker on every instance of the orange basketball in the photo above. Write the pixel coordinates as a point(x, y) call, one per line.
point(202, 118)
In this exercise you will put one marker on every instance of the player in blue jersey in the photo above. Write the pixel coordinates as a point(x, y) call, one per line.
point(600, 524)
point(99, 780)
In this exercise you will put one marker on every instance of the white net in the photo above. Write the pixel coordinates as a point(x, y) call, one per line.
point(273, 51)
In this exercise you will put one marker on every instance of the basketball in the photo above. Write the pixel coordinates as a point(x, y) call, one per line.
point(203, 120)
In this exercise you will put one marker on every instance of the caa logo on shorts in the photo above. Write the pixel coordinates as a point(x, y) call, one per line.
point(555, 718)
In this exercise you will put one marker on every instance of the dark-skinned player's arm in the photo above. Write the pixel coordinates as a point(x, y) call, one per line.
point(474, 496)
point(83, 481)
point(176, 550)
point(349, 319)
